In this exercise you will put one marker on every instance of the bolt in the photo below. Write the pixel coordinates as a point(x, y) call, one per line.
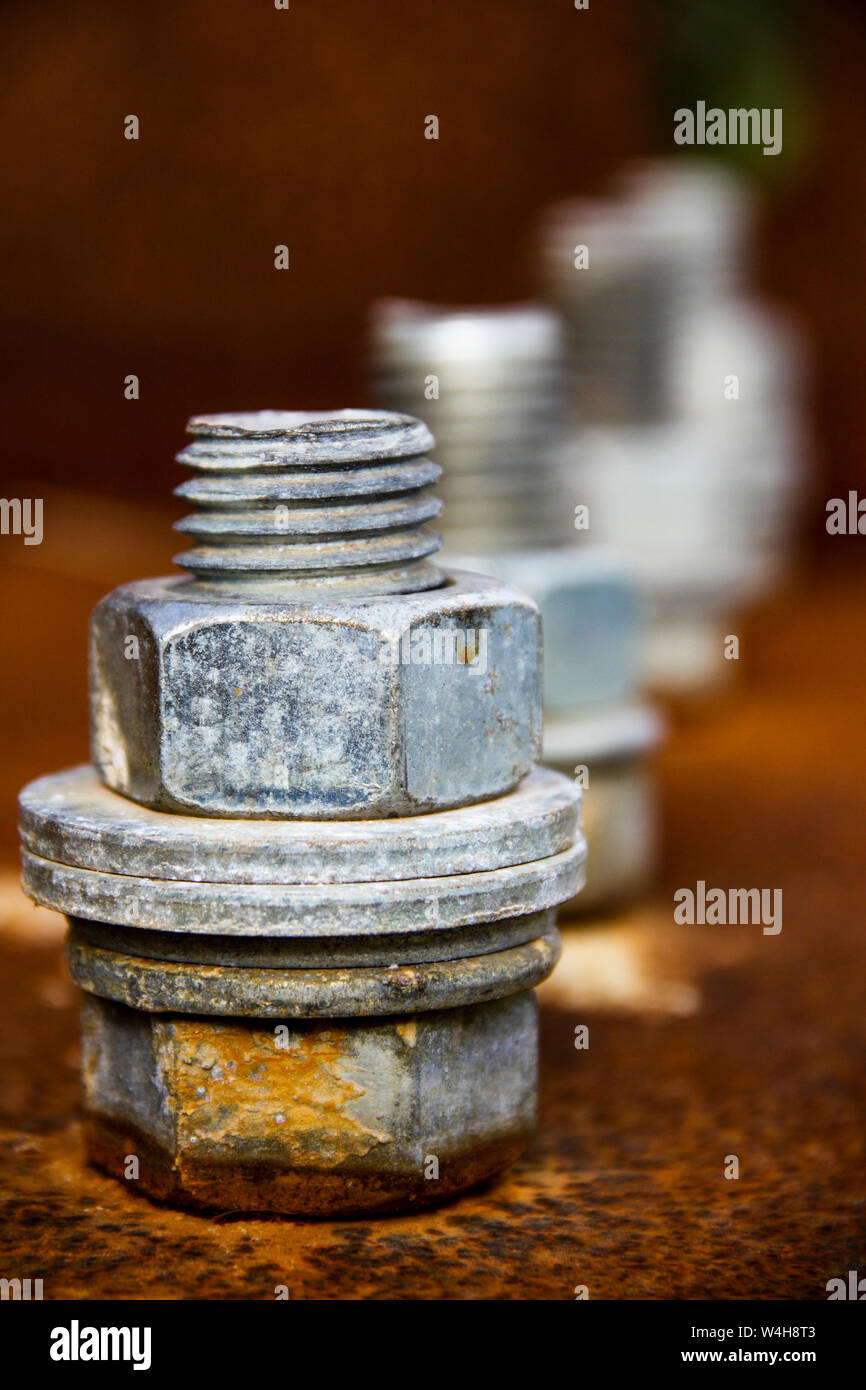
point(498, 379)
point(498, 420)
point(696, 487)
point(310, 883)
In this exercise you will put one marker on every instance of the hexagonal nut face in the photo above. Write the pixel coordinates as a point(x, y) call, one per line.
point(331, 709)
point(308, 1118)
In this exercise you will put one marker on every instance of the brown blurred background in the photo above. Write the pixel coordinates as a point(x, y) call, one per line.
point(155, 258)
point(306, 127)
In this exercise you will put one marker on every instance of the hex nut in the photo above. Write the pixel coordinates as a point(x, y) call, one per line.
point(317, 1118)
point(590, 615)
point(619, 821)
point(323, 709)
point(618, 811)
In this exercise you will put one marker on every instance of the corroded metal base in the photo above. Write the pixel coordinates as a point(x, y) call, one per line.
point(300, 1017)
point(309, 1118)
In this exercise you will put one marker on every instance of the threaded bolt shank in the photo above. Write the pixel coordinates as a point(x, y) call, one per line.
point(303, 500)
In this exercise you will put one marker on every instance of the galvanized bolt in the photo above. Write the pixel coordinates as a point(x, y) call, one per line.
point(698, 487)
point(312, 876)
point(491, 382)
point(499, 420)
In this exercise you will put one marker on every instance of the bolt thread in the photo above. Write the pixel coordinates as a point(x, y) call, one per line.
point(490, 382)
point(299, 501)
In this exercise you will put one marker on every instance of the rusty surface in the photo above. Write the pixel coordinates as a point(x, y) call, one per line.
point(712, 1041)
point(223, 1190)
point(313, 1119)
point(248, 992)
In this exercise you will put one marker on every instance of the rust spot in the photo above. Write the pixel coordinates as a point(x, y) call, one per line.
point(231, 1085)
